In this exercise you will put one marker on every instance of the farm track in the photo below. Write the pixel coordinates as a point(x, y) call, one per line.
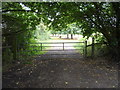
point(63, 69)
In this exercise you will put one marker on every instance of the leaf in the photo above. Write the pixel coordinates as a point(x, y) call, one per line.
point(66, 83)
point(52, 71)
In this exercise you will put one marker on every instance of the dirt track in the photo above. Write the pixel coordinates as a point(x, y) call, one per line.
point(62, 69)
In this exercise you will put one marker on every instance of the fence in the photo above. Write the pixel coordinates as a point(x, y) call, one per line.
point(92, 48)
point(63, 46)
point(36, 48)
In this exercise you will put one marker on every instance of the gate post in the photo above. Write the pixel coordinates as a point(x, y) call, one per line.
point(92, 52)
point(14, 47)
point(85, 49)
point(41, 46)
point(63, 46)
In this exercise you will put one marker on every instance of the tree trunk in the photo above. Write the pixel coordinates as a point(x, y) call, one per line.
point(67, 36)
point(71, 36)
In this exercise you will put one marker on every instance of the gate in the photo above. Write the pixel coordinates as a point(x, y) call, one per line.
point(58, 46)
point(38, 48)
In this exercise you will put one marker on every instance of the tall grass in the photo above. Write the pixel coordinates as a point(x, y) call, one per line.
point(25, 54)
point(99, 49)
point(81, 46)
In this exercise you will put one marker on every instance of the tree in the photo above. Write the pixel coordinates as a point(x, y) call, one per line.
point(90, 17)
point(93, 18)
point(18, 26)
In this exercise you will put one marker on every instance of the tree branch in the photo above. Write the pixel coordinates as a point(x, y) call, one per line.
point(12, 33)
point(17, 10)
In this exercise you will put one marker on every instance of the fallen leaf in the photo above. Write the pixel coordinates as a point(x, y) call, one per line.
point(113, 86)
point(65, 68)
point(52, 71)
point(66, 83)
point(96, 81)
point(17, 83)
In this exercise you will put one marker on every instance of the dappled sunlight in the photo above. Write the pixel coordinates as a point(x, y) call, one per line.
point(60, 44)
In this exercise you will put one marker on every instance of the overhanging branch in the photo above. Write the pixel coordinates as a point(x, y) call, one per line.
point(17, 10)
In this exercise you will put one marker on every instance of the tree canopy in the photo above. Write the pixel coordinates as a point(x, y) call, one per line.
point(21, 19)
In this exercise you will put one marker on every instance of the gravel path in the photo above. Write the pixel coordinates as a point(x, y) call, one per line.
point(63, 69)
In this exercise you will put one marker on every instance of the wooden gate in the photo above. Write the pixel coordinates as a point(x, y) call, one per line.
point(54, 46)
point(46, 46)
point(57, 46)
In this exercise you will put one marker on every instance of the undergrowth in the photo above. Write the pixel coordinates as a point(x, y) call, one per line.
point(25, 55)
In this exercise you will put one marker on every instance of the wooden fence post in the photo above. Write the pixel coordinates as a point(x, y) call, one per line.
point(41, 46)
point(63, 46)
point(14, 47)
point(93, 48)
point(85, 49)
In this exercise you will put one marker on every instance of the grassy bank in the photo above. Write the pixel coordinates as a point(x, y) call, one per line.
point(25, 54)
point(99, 49)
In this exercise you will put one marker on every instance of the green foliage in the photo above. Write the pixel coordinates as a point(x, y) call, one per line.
point(100, 50)
point(21, 22)
point(31, 49)
point(19, 28)
point(7, 56)
point(81, 46)
point(41, 32)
